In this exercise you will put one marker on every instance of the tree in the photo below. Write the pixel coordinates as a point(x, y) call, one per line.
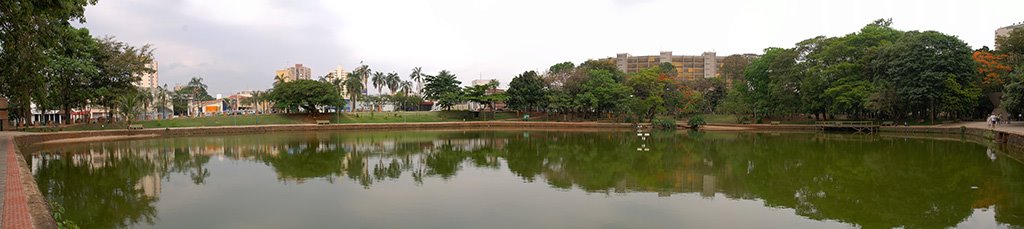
point(732, 68)
point(69, 69)
point(279, 79)
point(992, 69)
point(193, 92)
point(354, 85)
point(392, 81)
point(417, 76)
point(405, 87)
point(1013, 98)
point(920, 64)
point(305, 94)
point(443, 88)
point(483, 95)
point(1012, 45)
point(647, 90)
point(559, 74)
point(120, 65)
point(602, 94)
point(128, 104)
point(379, 80)
point(526, 92)
point(163, 97)
point(28, 30)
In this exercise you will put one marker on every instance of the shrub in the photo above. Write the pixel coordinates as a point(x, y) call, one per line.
point(665, 124)
point(695, 122)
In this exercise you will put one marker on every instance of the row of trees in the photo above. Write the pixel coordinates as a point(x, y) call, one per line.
point(330, 90)
point(47, 62)
point(876, 73)
point(598, 89)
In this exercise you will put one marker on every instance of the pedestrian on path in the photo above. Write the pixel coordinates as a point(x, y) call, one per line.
point(992, 121)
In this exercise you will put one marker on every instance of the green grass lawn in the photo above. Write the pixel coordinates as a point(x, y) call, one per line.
point(238, 120)
point(419, 116)
point(720, 118)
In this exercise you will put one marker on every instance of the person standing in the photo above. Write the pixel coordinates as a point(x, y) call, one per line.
point(992, 121)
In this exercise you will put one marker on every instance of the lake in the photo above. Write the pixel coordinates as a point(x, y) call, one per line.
point(534, 179)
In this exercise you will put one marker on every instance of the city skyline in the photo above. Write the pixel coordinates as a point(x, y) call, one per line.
point(234, 49)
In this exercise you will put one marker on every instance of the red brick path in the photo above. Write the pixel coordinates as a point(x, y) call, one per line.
point(16, 213)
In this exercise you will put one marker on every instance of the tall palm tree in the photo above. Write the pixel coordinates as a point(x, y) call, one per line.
point(392, 81)
point(354, 87)
point(417, 75)
point(256, 100)
point(162, 97)
point(405, 87)
point(146, 98)
point(379, 80)
point(355, 83)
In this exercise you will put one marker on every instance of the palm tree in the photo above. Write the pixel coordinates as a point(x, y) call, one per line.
point(392, 81)
point(354, 87)
point(255, 100)
point(417, 75)
point(405, 87)
point(161, 99)
point(146, 97)
point(279, 79)
point(128, 104)
point(197, 86)
point(379, 79)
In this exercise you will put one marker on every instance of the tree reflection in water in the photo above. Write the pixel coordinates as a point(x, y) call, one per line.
point(868, 181)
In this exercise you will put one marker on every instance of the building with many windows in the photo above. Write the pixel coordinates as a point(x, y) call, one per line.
point(297, 72)
point(687, 67)
point(150, 80)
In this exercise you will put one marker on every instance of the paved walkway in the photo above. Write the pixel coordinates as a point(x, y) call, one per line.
point(1016, 127)
point(16, 212)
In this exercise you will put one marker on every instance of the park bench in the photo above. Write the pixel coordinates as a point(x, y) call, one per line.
point(888, 123)
point(323, 122)
point(775, 123)
point(135, 127)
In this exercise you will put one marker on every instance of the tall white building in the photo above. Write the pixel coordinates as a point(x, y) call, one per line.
point(150, 80)
point(339, 73)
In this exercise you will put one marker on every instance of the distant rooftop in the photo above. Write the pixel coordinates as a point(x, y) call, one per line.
point(1015, 25)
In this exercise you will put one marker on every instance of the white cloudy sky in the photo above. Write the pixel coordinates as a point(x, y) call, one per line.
point(237, 44)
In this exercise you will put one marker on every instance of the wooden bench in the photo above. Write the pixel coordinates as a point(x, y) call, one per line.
point(135, 127)
point(323, 122)
point(888, 123)
point(775, 123)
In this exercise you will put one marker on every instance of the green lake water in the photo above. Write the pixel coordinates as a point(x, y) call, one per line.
point(534, 179)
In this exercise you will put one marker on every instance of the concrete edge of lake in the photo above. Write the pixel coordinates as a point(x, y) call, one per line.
point(42, 218)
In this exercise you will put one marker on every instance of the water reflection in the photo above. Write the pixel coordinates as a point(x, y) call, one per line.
point(867, 181)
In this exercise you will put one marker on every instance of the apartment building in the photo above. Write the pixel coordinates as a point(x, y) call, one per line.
point(1005, 31)
point(297, 72)
point(687, 67)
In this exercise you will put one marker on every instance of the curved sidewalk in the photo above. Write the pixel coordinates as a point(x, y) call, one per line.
point(17, 202)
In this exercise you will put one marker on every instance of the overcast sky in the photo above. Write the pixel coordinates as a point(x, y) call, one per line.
point(237, 44)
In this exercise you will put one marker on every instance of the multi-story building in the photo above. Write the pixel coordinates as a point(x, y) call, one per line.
point(705, 65)
point(478, 82)
point(297, 72)
point(1005, 31)
point(150, 80)
point(338, 73)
